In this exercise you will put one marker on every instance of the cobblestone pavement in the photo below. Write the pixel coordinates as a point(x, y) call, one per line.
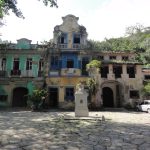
point(25, 130)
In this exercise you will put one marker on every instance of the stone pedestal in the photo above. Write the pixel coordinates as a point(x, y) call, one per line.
point(81, 106)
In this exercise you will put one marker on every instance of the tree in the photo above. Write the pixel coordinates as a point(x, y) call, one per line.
point(6, 5)
point(37, 98)
point(93, 83)
point(146, 90)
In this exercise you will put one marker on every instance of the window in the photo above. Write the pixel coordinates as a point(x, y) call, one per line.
point(3, 98)
point(147, 77)
point(54, 62)
point(41, 65)
point(117, 70)
point(131, 71)
point(16, 64)
point(70, 63)
point(63, 39)
point(125, 58)
point(112, 57)
point(85, 61)
point(3, 64)
point(69, 95)
point(100, 57)
point(104, 71)
point(76, 39)
point(134, 94)
point(29, 64)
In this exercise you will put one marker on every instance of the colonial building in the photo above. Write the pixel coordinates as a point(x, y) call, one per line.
point(120, 77)
point(21, 69)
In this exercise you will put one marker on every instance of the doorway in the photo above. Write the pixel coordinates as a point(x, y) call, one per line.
point(19, 97)
point(108, 100)
point(53, 97)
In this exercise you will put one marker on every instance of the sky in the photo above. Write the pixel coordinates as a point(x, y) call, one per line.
point(102, 18)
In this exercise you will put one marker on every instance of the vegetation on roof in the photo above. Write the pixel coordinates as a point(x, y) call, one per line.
point(136, 39)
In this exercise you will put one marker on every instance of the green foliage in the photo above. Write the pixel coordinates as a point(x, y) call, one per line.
point(92, 85)
point(52, 3)
point(6, 5)
point(93, 64)
point(37, 97)
point(137, 40)
point(146, 90)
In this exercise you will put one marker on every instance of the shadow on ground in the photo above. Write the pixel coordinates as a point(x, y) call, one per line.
point(50, 130)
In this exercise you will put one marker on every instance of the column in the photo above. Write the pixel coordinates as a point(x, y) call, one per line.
point(61, 93)
point(111, 74)
point(124, 71)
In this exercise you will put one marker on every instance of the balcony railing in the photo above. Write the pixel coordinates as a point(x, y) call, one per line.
point(76, 46)
point(63, 46)
point(2, 73)
point(15, 72)
point(27, 73)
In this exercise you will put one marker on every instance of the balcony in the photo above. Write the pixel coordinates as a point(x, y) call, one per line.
point(63, 46)
point(27, 73)
point(15, 72)
point(2, 73)
point(76, 46)
point(70, 72)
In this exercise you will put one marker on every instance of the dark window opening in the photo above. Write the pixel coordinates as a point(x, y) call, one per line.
point(3, 65)
point(54, 62)
point(117, 70)
point(85, 61)
point(41, 65)
point(134, 94)
point(70, 63)
point(125, 58)
point(16, 70)
point(69, 95)
point(100, 57)
point(112, 57)
point(16, 64)
point(147, 77)
point(76, 39)
point(63, 39)
point(29, 64)
point(3, 98)
point(131, 71)
point(104, 71)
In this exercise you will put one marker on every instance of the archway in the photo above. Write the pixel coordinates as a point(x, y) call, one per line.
point(108, 100)
point(19, 98)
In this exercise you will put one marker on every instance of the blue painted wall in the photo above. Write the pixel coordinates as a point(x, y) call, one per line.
point(73, 57)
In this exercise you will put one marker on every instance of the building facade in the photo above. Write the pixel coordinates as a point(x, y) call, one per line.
point(120, 77)
point(21, 69)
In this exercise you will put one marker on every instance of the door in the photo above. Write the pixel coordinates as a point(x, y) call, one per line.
point(53, 97)
point(19, 97)
point(108, 100)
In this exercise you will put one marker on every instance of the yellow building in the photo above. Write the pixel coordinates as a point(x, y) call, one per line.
point(120, 78)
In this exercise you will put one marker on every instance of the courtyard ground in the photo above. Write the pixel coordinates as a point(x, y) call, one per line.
point(26, 130)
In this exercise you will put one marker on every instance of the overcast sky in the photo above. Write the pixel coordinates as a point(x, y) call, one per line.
point(102, 18)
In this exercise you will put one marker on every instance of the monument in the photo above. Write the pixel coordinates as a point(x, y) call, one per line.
point(81, 106)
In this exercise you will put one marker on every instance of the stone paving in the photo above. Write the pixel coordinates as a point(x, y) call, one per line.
point(25, 130)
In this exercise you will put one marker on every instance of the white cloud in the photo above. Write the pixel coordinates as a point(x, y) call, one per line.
point(105, 18)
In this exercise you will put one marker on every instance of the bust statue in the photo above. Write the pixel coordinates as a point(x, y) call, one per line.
point(79, 87)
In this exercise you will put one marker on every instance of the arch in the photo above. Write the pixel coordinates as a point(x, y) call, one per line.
point(19, 98)
point(108, 98)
